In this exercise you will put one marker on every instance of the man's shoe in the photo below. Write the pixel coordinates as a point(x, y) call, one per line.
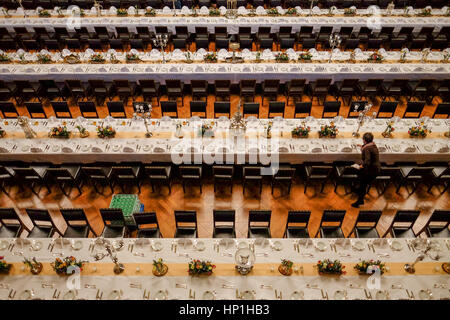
point(357, 204)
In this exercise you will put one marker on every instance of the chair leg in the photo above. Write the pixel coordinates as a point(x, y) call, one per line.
point(184, 188)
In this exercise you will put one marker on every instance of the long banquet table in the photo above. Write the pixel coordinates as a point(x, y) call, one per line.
point(130, 143)
point(97, 278)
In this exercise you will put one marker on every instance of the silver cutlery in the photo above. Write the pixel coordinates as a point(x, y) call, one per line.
point(138, 254)
point(368, 294)
point(12, 294)
point(136, 285)
point(56, 294)
point(90, 286)
point(386, 255)
point(181, 285)
point(228, 286)
point(396, 286)
point(146, 295)
point(262, 254)
point(99, 294)
point(191, 294)
point(312, 286)
point(47, 285)
point(227, 254)
point(324, 294)
point(181, 254)
point(354, 286)
point(4, 286)
point(263, 286)
point(278, 296)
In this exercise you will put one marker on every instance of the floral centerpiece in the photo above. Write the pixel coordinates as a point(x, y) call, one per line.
point(34, 265)
point(349, 11)
point(188, 56)
point(59, 132)
point(375, 57)
point(214, 12)
point(106, 132)
point(150, 12)
point(387, 133)
point(425, 12)
point(61, 266)
point(4, 267)
point(285, 268)
point(83, 132)
point(420, 131)
point(301, 131)
point(362, 266)
point(447, 133)
point(258, 57)
point(132, 57)
point(44, 58)
point(2, 132)
point(328, 131)
point(159, 268)
point(272, 12)
point(97, 58)
point(44, 14)
point(122, 12)
point(194, 12)
point(206, 130)
point(403, 53)
point(305, 57)
point(282, 57)
point(291, 12)
point(210, 57)
point(4, 58)
point(198, 267)
point(268, 130)
point(330, 267)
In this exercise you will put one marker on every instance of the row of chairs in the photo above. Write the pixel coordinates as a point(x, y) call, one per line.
point(224, 224)
point(330, 109)
point(407, 175)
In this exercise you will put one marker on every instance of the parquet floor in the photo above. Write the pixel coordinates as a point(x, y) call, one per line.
point(164, 204)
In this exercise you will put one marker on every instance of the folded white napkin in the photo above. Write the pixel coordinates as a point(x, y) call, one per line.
point(96, 149)
point(346, 149)
point(3, 150)
point(316, 150)
point(158, 150)
point(443, 148)
point(128, 150)
point(410, 149)
point(66, 150)
point(204, 10)
point(283, 149)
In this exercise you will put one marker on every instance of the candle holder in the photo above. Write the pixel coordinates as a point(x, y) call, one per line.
point(174, 9)
point(231, 9)
point(111, 252)
point(98, 8)
point(410, 267)
point(311, 8)
point(161, 41)
point(143, 111)
point(335, 40)
point(362, 116)
point(23, 9)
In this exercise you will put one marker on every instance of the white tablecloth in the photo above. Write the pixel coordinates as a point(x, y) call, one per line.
point(310, 285)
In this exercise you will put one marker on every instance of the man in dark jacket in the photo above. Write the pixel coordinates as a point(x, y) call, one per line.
point(369, 167)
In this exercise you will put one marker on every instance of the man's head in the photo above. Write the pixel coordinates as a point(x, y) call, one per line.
point(368, 137)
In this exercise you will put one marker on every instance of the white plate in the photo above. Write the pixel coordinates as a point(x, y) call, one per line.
point(146, 148)
point(200, 246)
point(396, 245)
point(85, 148)
point(242, 245)
point(77, 245)
point(114, 295)
point(69, 295)
point(248, 295)
point(26, 295)
point(332, 148)
point(297, 295)
point(340, 295)
point(4, 244)
point(428, 148)
point(116, 148)
point(36, 245)
point(278, 246)
point(25, 148)
point(160, 295)
point(381, 295)
point(358, 245)
point(55, 148)
point(321, 246)
point(208, 295)
point(157, 246)
point(425, 295)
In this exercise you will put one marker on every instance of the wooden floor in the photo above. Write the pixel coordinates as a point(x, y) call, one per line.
point(204, 203)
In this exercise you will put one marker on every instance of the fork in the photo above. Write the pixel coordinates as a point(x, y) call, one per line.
point(12, 294)
point(99, 294)
point(181, 285)
point(263, 286)
point(56, 294)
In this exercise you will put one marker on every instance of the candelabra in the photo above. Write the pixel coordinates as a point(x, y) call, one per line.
point(410, 267)
point(390, 8)
point(311, 8)
point(335, 41)
point(98, 8)
point(24, 123)
point(361, 117)
point(23, 9)
point(111, 252)
point(174, 9)
point(161, 41)
point(231, 9)
point(6, 13)
point(143, 111)
point(425, 53)
point(237, 122)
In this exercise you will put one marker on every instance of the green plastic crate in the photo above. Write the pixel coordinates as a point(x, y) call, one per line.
point(129, 203)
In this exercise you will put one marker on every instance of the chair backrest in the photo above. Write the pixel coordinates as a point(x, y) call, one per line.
point(59, 173)
point(87, 107)
point(332, 217)
point(298, 217)
point(277, 107)
point(222, 107)
point(198, 106)
point(191, 171)
point(387, 107)
point(220, 216)
point(331, 107)
point(146, 218)
point(259, 216)
point(112, 216)
point(285, 173)
point(169, 107)
point(116, 107)
point(35, 108)
point(223, 170)
point(250, 108)
point(40, 217)
point(25, 173)
point(409, 216)
point(251, 171)
point(7, 107)
point(321, 170)
point(441, 109)
point(94, 172)
point(122, 172)
point(441, 217)
point(61, 107)
point(185, 217)
point(74, 215)
point(414, 107)
point(322, 83)
point(9, 216)
point(170, 83)
point(368, 216)
point(156, 171)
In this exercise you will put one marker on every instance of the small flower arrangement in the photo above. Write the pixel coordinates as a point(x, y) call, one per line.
point(387, 133)
point(61, 266)
point(150, 12)
point(282, 57)
point(349, 11)
point(4, 57)
point(272, 12)
point(194, 13)
point(268, 130)
point(188, 57)
point(258, 56)
point(375, 57)
point(214, 12)
point(425, 12)
point(59, 132)
point(122, 12)
point(34, 265)
point(198, 267)
point(44, 14)
point(285, 268)
point(420, 131)
point(83, 132)
point(106, 132)
point(207, 130)
point(4, 267)
point(301, 131)
point(305, 56)
point(159, 268)
point(328, 131)
point(291, 12)
point(44, 58)
point(2, 133)
point(210, 57)
point(330, 267)
point(97, 58)
point(132, 57)
point(403, 54)
point(362, 266)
